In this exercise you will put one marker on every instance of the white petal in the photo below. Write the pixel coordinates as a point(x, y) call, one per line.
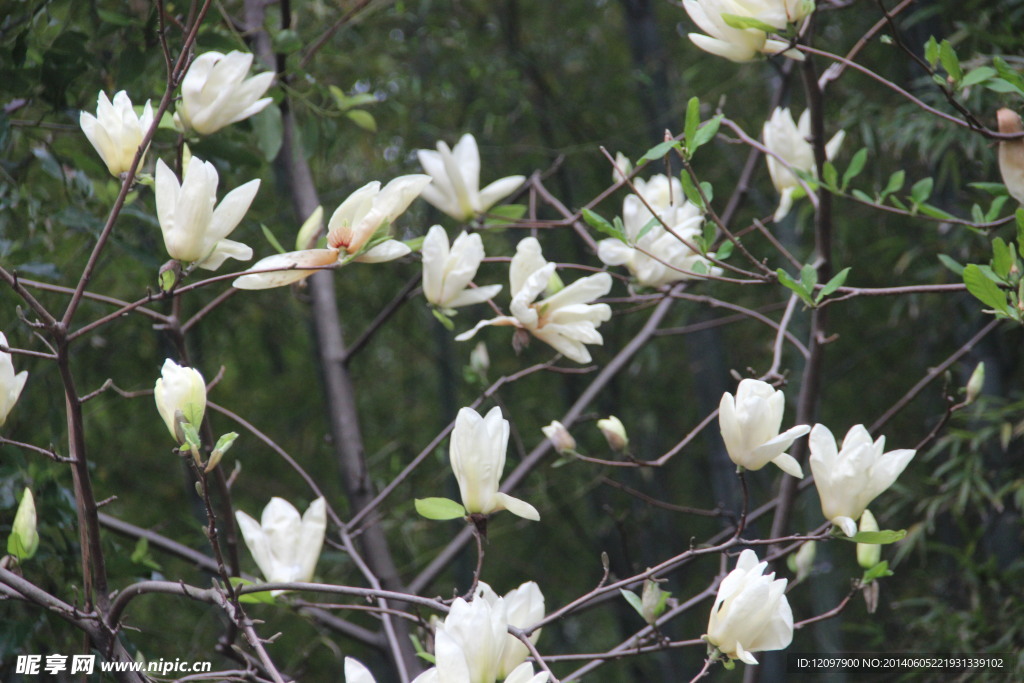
point(518, 507)
point(284, 269)
point(385, 251)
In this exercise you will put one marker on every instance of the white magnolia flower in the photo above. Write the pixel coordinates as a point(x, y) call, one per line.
point(215, 92)
point(116, 132)
point(194, 230)
point(285, 547)
point(356, 232)
point(456, 175)
point(657, 257)
point(565, 320)
point(477, 454)
point(180, 390)
point(11, 384)
point(356, 672)
point(469, 643)
point(750, 425)
point(789, 141)
point(447, 271)
point(751, 613)
point(848, 479)
point(524, 607)
point(743, 45)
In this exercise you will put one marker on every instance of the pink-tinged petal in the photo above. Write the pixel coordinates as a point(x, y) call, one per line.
point(283, 269)
point(349, 213)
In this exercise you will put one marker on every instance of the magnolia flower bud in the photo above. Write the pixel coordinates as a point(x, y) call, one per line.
point(803, 560)
point(1011, 154)
point(868, 554)
point(560, 438)
point(24, 539)
point(751, 613)
point(479, 359)
point(614, 433)
point(848, 479)
point(285, 547)
point(11, 384)
point(975, 383)
point(456, 180)
point(215, 92)
point(180, 394)
point(116, 132)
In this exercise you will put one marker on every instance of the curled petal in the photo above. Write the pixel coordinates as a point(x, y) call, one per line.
point(284, 269)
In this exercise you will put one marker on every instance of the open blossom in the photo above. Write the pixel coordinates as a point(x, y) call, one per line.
point(11, 384)
point(524, 607)
point(116, 131)
point(215, 92)
point(789, 141)
point(448, 270)
point(477, 454)
point(354, 233)
point(744, 44)
point(1011, 153)
point(751, 612)
point(565, 320)
point(180, 390)
point(456, 180)
point(285, 547)
point(193, 230)
point(657, 257)
point(849, 478)
point(750, 424)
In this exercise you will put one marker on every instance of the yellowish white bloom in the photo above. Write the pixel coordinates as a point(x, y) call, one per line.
point(24, 539)
point(285, 547)
point(456, 180)
point(477, 454)
point(849, 478)
point(614, 433)
point(448, 270)
point(11, 384)
point(356, 672)
point(194, 226)
point(356, 232)
point(751, 612)
point(744, 44)
point(750, 424)
point(116, 131)
point(215, 92)
point(180, 390)
point(524, 607)
point(789, 141)
point(565, 320)
point(654, 255)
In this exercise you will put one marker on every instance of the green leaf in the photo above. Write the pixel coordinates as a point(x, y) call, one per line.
point(439, 508)
point(895, 184)
point(273, 240)
point(935, 212)
point(506, 213)
point(996, 208)
point(634, 600)
point(692, 122)
point(808, 277)
point(830, 176)
point(984, 289)
point(1019, 215)
point(363, 119)
point(863, 196)
point(659, 151)
point(287, 41)
point(264, 597)
point(741, 22)
point(855, 167)
point(445, 321)
point(832, 285)
point(269, 131)
point(1002, 260)
point(597, 222)
point(994, 189)
point(705, 133)
point(931, 51)
point(724, 250)
point(950, 62)
point(951, 264)
point(874, 537)
point(647, 227)
point(879, 571)
point(691, 192)
point(1008, 74)
point(787, 281)
point(978, 75)
point(921, 190)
